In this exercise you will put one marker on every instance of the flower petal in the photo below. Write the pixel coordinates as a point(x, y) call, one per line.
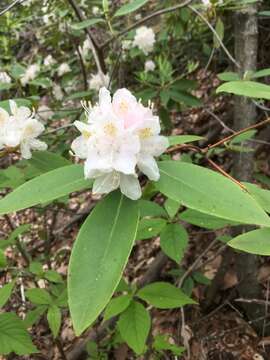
point(130, 186)
point(148, 166)
point(106, 183)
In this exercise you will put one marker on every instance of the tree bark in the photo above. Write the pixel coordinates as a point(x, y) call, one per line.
point(246, 47)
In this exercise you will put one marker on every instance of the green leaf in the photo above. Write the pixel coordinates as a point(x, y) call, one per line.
point(5, 293)
point(34, 315)
point(150, 209)
point(246, 88)
point(5, 86)
point(228, 76)
point(204, 220)
point(149, 228)
point(43, 82)
point(116, 306)
point(39, 296)
point(190, 184)
point(53, 276)
point(54, 319)
point(220, 32)
point(3, 260)
point(45, 188)
point(35, 267)
point(44, 161)
point(174, 241)
point(254, 242)
point(261, 73)
point(183, 139)
point(261, 195)
point(163, 295)
point(134, 326)
point(20, 102)
point(14, 337)
point(17, 70)
point(185, 98)
point(86, 23)
point(161, 342)
point(99, 256)
point(128, 8)
point(172, 207)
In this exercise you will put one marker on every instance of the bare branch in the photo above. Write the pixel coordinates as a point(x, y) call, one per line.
point(96, 50)
point(215, 34)
point(9, 7)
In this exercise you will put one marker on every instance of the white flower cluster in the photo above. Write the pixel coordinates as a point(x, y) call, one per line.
point(144, 39)
point(208, 4)
point(49, 61)
point(30, 74)
point(20, 129)
point(149, 65)
point(5, 78)
point(98, 80)
point(63, 69)
point(120, 136)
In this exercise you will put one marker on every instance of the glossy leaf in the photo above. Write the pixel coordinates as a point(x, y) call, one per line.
point(246, 88)
point(130, 7)
point(204, 220)
point(99, 256)
point(254, 242)
point(183, 139)
point(190, 184)
point(44, 188)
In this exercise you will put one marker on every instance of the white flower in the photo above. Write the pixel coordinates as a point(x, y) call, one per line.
point(95, 10)
point(63, 69)
point(57, 92)
point(30, 74)
point(144, 39)
point(207, 3)
point(5, 78)
point(149, 65)
point(85, 48)
point(126, 44)
point(99, 80)
point(44, 113)
point(21, 130)
point(49, 61)
point(120, 136)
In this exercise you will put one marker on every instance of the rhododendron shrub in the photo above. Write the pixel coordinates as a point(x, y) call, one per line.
point(115, 163)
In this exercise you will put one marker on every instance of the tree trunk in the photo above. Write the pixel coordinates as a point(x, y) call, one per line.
point(246, 46)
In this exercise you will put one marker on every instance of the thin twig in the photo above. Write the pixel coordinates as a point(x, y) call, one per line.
point(253, 301)
point(82, 67)
point(145, 19)
point(222, 141)
point(9, 7)
point(223, 172)
point(21, 249)
point(215, 34)
point(196, 263)
point(96, 50)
